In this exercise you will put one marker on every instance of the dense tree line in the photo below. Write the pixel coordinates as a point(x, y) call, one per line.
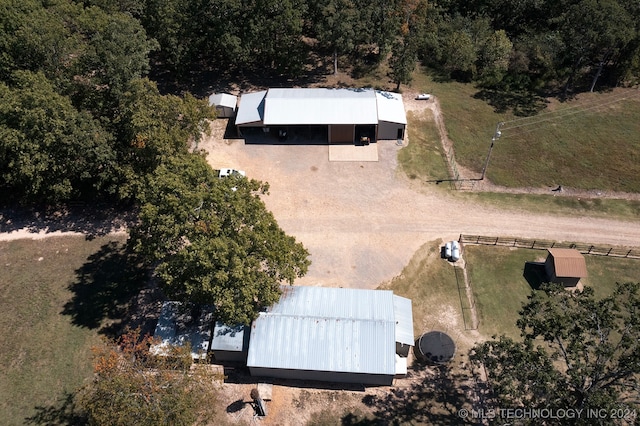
point(506, 44)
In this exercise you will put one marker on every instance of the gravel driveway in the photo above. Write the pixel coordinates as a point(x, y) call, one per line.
point(362, 221)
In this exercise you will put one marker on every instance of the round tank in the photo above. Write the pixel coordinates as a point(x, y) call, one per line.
point(435, 347)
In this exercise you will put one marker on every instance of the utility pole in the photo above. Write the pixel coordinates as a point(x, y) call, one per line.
point(495, 137)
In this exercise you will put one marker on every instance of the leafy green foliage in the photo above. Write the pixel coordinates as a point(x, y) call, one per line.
point(213, 240)
point(49, 151)
point(578, 352)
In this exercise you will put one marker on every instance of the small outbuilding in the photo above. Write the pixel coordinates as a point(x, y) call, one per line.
point(230, 343)
point(565, 266)
point(224, 103)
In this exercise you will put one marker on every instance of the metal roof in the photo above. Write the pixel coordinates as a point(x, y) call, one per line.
point(229, 338)
point(568, 263)
point(251, 109)
point(390, 107)
point(327, 329)
point(318, 106)
point(322, 344)
point(224, 100)
point(404, 320)
point(175, 328)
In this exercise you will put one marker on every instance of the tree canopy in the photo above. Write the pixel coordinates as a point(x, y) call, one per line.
point(212, 240)
point(577, 352)
point(132, 387)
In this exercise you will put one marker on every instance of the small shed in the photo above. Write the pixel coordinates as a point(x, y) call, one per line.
point(224, 103)
point(565, 266)
point(230, 343)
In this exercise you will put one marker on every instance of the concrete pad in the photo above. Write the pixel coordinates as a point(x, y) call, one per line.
point(348, 152)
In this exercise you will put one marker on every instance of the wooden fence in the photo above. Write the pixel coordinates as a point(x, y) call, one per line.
point(631, 253)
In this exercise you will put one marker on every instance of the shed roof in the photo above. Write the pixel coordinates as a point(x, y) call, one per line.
point(229, 338)
point(568, 263)
point(404, 320)
point(390, 107)
point(224, 100)
point(176, 328)
point(251, 109)
point(329, 329)
point(319, 106)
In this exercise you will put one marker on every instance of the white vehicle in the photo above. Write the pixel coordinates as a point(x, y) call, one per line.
point(423, 97)
point(230, 172)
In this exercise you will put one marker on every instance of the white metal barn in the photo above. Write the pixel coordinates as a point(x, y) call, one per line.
point(224, 103)
point(333, 334)
point(345, 114)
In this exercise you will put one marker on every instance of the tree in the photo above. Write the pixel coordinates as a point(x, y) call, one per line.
point(335, 25)
point(577, 352)
point(405, 49)
point(131, 387)
point(494, 57)
point(49, 151)
point(212, 241)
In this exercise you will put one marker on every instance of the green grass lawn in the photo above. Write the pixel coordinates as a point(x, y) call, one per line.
point(500, 288)
point(569, 206)
point(592, 142)
point(56, 295)
point(423, 158)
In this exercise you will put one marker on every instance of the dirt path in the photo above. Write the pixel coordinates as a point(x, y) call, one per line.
point(362, 222)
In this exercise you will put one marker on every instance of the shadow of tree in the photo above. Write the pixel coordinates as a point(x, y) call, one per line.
point(105, 288)
point(522, 103)
point(91, 220)
point(434, 397)
point(63, 412)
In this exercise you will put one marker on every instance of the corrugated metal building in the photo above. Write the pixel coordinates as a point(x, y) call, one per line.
point(333, 334)
point(346, 114)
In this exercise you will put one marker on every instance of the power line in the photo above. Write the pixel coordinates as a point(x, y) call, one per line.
point(562, 114)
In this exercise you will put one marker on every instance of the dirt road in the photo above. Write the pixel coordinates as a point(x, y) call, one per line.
point(362, 221)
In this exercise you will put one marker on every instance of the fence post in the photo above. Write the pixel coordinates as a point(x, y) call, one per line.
point(534, 244)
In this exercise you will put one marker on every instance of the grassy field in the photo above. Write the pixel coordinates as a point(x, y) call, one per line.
point(570, 206)
point(56, 297)
point(430, 283)
point(423, 158)
point(500, 288)
point(591, 142)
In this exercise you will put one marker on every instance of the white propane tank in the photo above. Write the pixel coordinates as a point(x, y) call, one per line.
point(455, 251)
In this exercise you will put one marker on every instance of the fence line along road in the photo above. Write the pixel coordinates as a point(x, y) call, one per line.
point(627, 252)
